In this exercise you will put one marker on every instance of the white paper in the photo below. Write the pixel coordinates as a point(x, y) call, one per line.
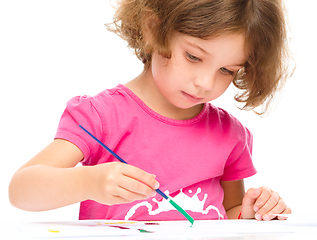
point(162, 229)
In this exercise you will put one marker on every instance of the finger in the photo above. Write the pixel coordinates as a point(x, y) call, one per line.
point(280, 208)
point(248, 202)
point(274, 205)
point(116, 200)
point(286, 211)
point(129, 196)
point(135, 187)
point(141, 176)
point(263, 198)
point(250, 197)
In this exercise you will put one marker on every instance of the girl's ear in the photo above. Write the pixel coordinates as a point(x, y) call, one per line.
point(149, 24)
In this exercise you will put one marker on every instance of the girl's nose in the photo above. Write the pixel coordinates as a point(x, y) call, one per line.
point(205, 81)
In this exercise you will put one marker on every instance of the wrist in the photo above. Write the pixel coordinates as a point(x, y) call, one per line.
point(88, 178)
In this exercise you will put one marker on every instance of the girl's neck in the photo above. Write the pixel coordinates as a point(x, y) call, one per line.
point(145, 88)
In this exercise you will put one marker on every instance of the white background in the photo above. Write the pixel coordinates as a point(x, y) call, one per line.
point(51, 51)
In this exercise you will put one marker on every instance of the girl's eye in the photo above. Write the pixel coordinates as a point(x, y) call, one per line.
point(226, 71)
point(192, 58)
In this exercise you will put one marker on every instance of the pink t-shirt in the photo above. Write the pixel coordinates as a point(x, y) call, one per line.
point(189, 157)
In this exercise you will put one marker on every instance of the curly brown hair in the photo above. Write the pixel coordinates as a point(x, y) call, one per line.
point(261, 21)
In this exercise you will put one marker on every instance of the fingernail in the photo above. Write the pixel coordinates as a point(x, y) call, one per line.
point(157, 185)
point(258, 216)
point(256, 208)
point(153, 194)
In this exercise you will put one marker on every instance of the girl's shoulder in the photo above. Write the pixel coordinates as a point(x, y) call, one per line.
point(100, 101)
point(227, 122)
point(112, 94)
point(223, 115)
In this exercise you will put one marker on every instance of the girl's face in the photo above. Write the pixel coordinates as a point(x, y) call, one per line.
point(199, 70)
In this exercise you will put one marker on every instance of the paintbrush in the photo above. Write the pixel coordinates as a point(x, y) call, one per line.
point(178, 208)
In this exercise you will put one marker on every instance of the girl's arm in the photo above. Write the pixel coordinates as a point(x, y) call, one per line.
point(261, 203)
point(233, 196)
point(50, 180)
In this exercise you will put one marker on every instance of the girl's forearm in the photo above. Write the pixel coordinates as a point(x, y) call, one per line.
point(39, 187)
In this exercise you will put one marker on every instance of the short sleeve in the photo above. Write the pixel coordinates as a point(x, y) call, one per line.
point(81, 111)
point(239, 164)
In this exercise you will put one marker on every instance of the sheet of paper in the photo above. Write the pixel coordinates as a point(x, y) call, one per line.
point(155, 230)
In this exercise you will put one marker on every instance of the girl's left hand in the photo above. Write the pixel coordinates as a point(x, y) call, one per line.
point(262, 204)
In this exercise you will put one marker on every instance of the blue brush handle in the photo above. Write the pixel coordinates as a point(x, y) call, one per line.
point(116, 156)
point(161, 193)
point(104, 146)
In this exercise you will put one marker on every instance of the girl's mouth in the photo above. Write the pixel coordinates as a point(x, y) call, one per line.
point(192, 98)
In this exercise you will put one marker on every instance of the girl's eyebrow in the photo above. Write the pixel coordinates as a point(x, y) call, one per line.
point(238, 65)
point(198, 47)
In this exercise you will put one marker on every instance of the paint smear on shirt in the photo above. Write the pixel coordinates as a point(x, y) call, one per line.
point(187, 203)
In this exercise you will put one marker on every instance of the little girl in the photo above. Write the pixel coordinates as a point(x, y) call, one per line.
point(162, 123)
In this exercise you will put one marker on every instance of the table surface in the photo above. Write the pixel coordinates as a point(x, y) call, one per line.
point(293, 228)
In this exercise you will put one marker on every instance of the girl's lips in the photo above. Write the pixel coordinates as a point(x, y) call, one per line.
point(192, 98)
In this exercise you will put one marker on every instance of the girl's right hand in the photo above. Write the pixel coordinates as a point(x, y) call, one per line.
point(115, 183)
